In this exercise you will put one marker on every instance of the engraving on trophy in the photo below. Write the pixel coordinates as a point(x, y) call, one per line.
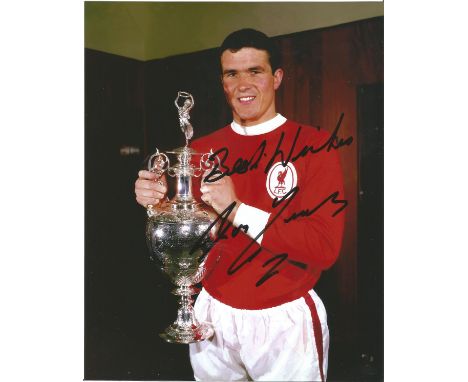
point(174, 226)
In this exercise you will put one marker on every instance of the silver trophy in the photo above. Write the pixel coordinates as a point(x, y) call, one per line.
point(180, 231)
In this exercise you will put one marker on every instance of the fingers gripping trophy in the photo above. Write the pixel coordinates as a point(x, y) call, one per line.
point(180, 232)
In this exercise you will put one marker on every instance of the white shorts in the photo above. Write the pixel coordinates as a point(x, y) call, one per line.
point(275, 344)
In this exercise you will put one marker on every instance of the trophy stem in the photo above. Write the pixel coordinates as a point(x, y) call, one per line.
point(186, 328)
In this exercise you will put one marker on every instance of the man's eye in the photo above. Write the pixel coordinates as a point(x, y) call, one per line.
point(230, 75)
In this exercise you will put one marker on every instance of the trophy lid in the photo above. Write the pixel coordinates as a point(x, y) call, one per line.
point(184, 149)
point(181, 150)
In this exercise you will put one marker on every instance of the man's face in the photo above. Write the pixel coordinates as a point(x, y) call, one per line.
point(250, 85)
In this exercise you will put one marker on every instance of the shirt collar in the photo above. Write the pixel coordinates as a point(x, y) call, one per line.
point(261, 128)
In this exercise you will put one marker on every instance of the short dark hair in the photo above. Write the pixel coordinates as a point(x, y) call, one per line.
point(251, 38)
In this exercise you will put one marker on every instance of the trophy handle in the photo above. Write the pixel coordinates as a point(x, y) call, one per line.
point(158, 163)
point(207, 161)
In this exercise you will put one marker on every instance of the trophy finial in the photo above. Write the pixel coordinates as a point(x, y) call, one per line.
point(184, 115)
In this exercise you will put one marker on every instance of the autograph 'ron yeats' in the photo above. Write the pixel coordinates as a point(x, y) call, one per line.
point(242, 166)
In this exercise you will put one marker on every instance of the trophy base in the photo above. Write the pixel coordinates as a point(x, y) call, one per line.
point(187, 335)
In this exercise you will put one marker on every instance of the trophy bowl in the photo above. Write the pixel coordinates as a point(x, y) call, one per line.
point(179, 238)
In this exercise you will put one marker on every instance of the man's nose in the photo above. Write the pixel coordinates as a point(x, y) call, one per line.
point(244, 82)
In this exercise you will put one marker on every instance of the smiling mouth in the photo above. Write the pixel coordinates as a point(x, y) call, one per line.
point(246, 99)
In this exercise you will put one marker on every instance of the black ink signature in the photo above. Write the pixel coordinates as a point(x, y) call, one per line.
point(308, 212)
point(276, 259)
point(241, 165)
point(334, 142)
point(236, 265)
point(225, 225)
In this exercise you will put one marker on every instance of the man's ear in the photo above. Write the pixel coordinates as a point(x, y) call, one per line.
point(278, 77)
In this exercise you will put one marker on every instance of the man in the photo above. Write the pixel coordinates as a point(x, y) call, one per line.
point(279, 183)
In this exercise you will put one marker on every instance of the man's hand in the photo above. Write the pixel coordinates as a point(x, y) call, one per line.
point(220, 194)
point(149, 189)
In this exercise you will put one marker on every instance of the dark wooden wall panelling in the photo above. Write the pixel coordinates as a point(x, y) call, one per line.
point(131, 102)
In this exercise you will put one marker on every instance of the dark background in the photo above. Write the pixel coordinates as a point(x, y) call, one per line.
point(130, 103)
